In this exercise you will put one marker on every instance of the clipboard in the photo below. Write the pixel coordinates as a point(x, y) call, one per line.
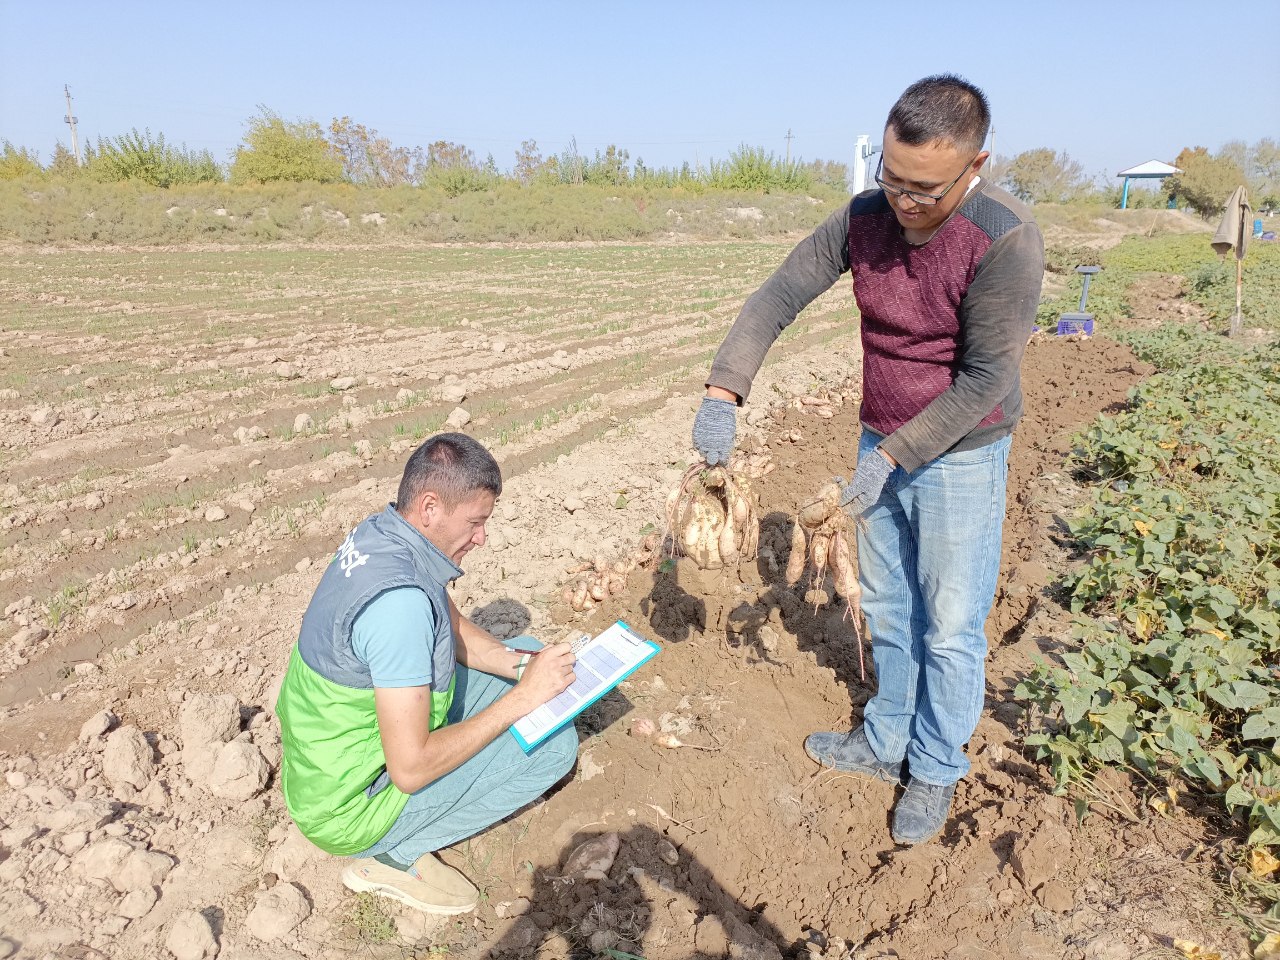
point(604, 661)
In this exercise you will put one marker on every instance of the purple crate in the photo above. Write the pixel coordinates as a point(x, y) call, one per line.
point(1070, 323)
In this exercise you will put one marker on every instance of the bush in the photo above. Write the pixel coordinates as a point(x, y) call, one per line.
point(753, 170)
point(136, 156)
point(16, 162)
point(457, 180)
point(276, 149)
point(1043, 176)
point(1205, 182)
point(1213, 280)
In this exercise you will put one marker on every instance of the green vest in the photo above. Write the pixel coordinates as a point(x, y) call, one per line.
point(334, 773)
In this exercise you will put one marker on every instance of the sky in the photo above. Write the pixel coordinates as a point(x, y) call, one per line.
point(670, 81)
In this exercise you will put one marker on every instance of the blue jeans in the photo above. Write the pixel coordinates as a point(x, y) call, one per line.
point(928, 556)
point(493, 784)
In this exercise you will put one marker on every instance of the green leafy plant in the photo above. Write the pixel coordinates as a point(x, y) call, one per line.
point(276, 149)
point(1210, 279)
point(18, 162)
point(64, 603)
point(1178, 597)
point(141, 157)
point(755, 169)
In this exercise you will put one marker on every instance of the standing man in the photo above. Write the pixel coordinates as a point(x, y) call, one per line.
point(394, 708)
point(946, 272)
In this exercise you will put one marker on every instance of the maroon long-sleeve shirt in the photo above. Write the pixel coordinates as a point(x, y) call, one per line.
point(944, 324)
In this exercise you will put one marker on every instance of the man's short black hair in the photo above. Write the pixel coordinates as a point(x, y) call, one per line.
point(451, 465)
point(942, 107)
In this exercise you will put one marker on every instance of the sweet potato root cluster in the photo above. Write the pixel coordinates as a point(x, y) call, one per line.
point(820, 541)
point(755, 465)
point(595, 581)
point(712, 517)
point(823, 404)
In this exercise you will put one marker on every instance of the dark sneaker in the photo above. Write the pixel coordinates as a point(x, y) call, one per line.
point(851, 753)
point(922, 812)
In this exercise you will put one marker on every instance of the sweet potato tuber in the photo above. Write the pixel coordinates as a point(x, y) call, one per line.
point(828, 548)
point(819, 549)
point(842, 572)
point(795, 562)
point(817, 511)
point(711, 516)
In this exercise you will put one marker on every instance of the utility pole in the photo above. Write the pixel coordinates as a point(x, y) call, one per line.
point(788, 146)
point(75, 142)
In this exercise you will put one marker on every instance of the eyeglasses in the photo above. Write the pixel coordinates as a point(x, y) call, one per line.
point(923, 199)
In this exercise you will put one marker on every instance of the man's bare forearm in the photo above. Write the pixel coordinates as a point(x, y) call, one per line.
point(481, 650)
point(417, 755)
point(455, 744)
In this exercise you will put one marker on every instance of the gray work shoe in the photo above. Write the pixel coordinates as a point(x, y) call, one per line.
point(852, 753)
point(922, 811)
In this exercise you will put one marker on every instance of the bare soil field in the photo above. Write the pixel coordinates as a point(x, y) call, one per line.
point(188, 435)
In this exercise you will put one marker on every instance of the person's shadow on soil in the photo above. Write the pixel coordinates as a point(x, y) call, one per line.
point(504, 618)
point(655, 902)
point(674, 614)
point(705, 605)
point(810, 611)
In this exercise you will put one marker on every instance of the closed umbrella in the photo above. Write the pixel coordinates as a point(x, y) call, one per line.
point(1233, 234)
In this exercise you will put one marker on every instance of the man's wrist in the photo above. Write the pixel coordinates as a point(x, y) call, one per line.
point(720, 393)
point(513, 662)
point(522, 662)
point(517, 701)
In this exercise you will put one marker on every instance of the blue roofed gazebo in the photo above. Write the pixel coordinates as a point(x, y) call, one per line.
point(1151, 170)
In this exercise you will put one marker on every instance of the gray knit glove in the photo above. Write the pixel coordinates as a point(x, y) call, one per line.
point(714, 430)
point(868, 480)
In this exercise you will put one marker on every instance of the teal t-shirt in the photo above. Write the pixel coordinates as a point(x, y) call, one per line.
point(394, 636)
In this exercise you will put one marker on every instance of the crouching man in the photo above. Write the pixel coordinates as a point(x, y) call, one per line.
point(394, 708)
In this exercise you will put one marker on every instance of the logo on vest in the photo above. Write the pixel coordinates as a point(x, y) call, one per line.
point(349, 557)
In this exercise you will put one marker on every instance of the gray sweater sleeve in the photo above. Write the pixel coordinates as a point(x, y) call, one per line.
point(809, 271)
point(996, 317)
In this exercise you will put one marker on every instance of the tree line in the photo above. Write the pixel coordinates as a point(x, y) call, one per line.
point(1206, 181)
point(275, 149)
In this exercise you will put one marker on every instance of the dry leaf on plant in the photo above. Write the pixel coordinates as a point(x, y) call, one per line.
point(1193, 951)
point(1262, 863)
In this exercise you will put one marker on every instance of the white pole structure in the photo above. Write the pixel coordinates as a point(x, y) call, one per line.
point(863, 151)
point(72, 120)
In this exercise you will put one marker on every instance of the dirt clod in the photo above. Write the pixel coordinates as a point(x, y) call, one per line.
point(128, 758)
point(239, 772)
point(277, 911)
point(206, 719)
point(190, 937)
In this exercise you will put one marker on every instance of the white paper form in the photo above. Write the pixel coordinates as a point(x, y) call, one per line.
point(603, 662)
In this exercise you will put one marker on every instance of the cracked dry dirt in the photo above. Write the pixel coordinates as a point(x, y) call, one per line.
point(182, 452)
